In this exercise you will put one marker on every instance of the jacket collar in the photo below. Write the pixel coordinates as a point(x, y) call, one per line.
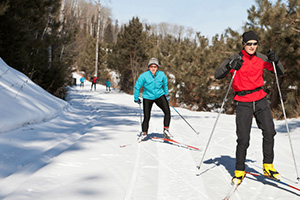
point(245, 54)
point(153, 74)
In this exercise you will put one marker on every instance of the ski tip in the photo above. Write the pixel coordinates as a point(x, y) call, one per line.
point(198, 167)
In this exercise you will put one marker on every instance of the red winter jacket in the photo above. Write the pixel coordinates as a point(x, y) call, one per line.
point(249, 76)
point(95, 79)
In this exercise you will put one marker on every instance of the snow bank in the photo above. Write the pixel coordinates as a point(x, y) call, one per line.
point(22, 101)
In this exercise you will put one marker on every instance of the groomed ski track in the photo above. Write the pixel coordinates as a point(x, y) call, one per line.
point(78, 155)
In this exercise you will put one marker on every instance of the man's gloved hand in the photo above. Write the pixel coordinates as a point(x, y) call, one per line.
point(272, 57)
point(138, 101)
point(236, 64)
point(168, 97)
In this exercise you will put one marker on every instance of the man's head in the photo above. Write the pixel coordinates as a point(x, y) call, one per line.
point(250, 42)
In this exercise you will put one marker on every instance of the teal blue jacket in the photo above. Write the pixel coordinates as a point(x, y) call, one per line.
point(154, 86)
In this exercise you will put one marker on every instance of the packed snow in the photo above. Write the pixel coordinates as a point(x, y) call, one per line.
point(86, 148)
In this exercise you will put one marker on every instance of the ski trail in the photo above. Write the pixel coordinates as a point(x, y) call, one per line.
point(12, 182)
point(177, 177)
point(131, 187)
point(33, 162)
point(258, 192)
point(171, 168)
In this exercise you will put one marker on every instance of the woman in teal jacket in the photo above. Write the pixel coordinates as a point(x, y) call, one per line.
point(155, 90)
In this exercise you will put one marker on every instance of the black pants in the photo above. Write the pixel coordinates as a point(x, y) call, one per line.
point(93, 84)
point(244, 114)
point(163, 104)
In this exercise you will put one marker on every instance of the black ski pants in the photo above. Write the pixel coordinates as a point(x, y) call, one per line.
point(163, 104)
point(93, 84)
point(244, 114)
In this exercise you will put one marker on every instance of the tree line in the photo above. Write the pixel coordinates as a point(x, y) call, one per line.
point(48, 39)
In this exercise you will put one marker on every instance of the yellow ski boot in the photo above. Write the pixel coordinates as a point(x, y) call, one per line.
point(270, 172)
point(238, 177)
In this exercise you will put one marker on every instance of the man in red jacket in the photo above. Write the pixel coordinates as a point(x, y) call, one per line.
point(251, 101)
point(94, 81)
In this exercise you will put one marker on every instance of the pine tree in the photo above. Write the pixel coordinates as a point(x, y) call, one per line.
point(129, 53)
point(86, 58)
point(278, 27)
point(108, 33)
point(29, 42)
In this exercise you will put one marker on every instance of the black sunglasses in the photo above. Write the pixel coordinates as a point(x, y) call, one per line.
point(250, 43)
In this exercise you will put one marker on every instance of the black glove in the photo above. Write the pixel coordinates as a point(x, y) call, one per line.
point(272, 57)
point(138, 101)
point(168, 97)
point(236, 64)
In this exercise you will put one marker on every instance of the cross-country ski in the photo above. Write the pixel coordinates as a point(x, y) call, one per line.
point(274, 180)
point(231, 191)
point(174, 142)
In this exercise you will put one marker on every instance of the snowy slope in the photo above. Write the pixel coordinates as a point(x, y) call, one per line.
point(22, 101)
point(89, 151)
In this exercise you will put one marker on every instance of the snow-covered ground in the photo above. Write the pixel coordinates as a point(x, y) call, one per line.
point(86, 148)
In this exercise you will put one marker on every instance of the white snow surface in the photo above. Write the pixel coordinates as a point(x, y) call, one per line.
point(22, 101)
point(86, 149)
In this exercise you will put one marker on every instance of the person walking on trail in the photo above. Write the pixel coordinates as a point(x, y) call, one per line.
point(82, 80)
point(250, 100)
point(155, 90)
point(107, 84)
point(94, 81)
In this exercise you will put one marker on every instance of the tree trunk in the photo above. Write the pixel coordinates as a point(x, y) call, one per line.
point(61, 52)
point(61, 17)
point(49, 32)
point(61, 27)
point(97, 42)
point(49, 56)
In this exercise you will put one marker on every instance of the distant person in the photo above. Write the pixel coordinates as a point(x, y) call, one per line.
point(251, 100)
point(155, 90)
point(82, 80)
point(94, 81)
point(107, 84)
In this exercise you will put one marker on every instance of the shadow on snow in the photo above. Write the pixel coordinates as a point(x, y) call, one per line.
point(229, 164)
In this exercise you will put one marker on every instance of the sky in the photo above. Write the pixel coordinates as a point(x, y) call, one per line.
point(209, 17)
point(86, 148)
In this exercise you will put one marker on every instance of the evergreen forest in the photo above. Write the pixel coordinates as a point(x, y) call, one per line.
point(49, 39)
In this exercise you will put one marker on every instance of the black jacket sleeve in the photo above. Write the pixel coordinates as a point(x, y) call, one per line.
point(278, 65)
point(279, 68)
point(224, 68)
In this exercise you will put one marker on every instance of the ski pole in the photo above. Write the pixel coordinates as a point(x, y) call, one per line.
point(140, 118)
point(286, 124)
point(185, 120)
point(211, 134)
